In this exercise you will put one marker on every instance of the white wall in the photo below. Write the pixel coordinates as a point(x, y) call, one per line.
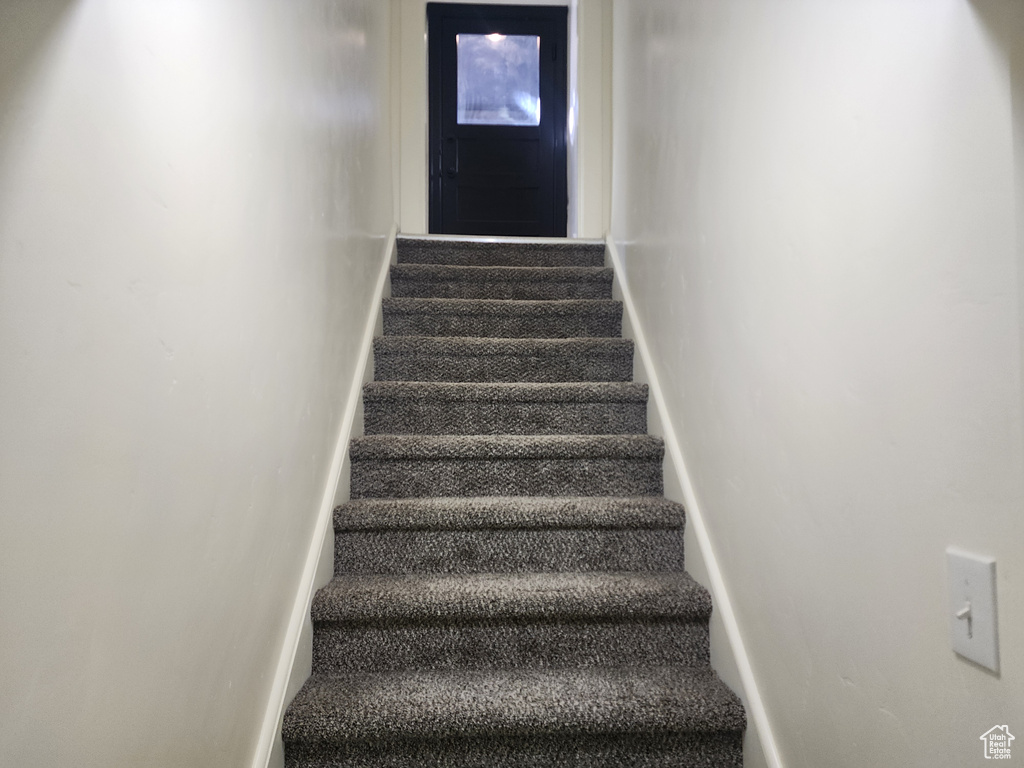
point(194, 198)
point(815, 203)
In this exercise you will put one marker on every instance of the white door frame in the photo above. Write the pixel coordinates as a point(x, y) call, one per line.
point(589, 114)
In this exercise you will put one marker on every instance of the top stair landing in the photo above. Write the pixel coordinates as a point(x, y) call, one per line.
point(500, 251)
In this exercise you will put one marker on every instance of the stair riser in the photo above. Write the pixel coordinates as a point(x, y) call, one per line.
point(590, 325)
point(483, 255)
point(437, 417)
point(511, 645)
point(520, 290)
point(519, 551)
point(373, 478)
point(598, 366)
point(708, 750)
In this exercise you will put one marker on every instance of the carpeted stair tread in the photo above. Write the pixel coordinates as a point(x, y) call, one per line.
point(443, 273)
point(465, 346)
point(360, 599)
point(516, 309)
point(447, 704)
point(503, 252)
point(518, 283)
point(506, 319)
point(508, 534)
point(471, 408)
point(408, 466)
point(483, 447)
point(507, 392)
point(468, 359)
point(544, 643)
point(509, 550)
point(511, 308)
point(509, 513)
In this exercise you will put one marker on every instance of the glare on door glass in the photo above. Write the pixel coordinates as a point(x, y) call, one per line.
point(498, 79)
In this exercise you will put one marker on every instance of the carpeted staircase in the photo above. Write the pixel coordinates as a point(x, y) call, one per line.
point(509, 588)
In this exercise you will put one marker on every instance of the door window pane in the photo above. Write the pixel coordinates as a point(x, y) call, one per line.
point(498, 79)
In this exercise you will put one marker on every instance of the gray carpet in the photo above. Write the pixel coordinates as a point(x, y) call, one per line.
point(509, 588)
point(468, 253)
point(520, 283)
point(567, 319)
point(499, 513)
point(463, 359)
point(444, 408)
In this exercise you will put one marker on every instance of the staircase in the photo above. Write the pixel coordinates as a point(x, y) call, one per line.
point(509, 587)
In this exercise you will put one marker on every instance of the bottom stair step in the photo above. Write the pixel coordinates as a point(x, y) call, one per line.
point(648, 717)
point(719, 749)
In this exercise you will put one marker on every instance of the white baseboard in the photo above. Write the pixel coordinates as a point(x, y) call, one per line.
point(706, 570)
point(293, 663)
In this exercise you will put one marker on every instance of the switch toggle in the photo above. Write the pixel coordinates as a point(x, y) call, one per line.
point(972, 607)
point(965, 613)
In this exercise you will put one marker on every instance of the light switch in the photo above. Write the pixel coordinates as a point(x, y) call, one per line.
point(972, 607)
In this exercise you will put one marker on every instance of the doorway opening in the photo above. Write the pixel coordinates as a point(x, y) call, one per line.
point(497, 115)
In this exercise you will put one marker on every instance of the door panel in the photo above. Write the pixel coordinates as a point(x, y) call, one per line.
point(498, 156)
point(497, 119)
point(493, 205)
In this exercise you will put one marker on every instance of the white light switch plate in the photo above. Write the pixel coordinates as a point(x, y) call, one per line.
point(972, 607)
